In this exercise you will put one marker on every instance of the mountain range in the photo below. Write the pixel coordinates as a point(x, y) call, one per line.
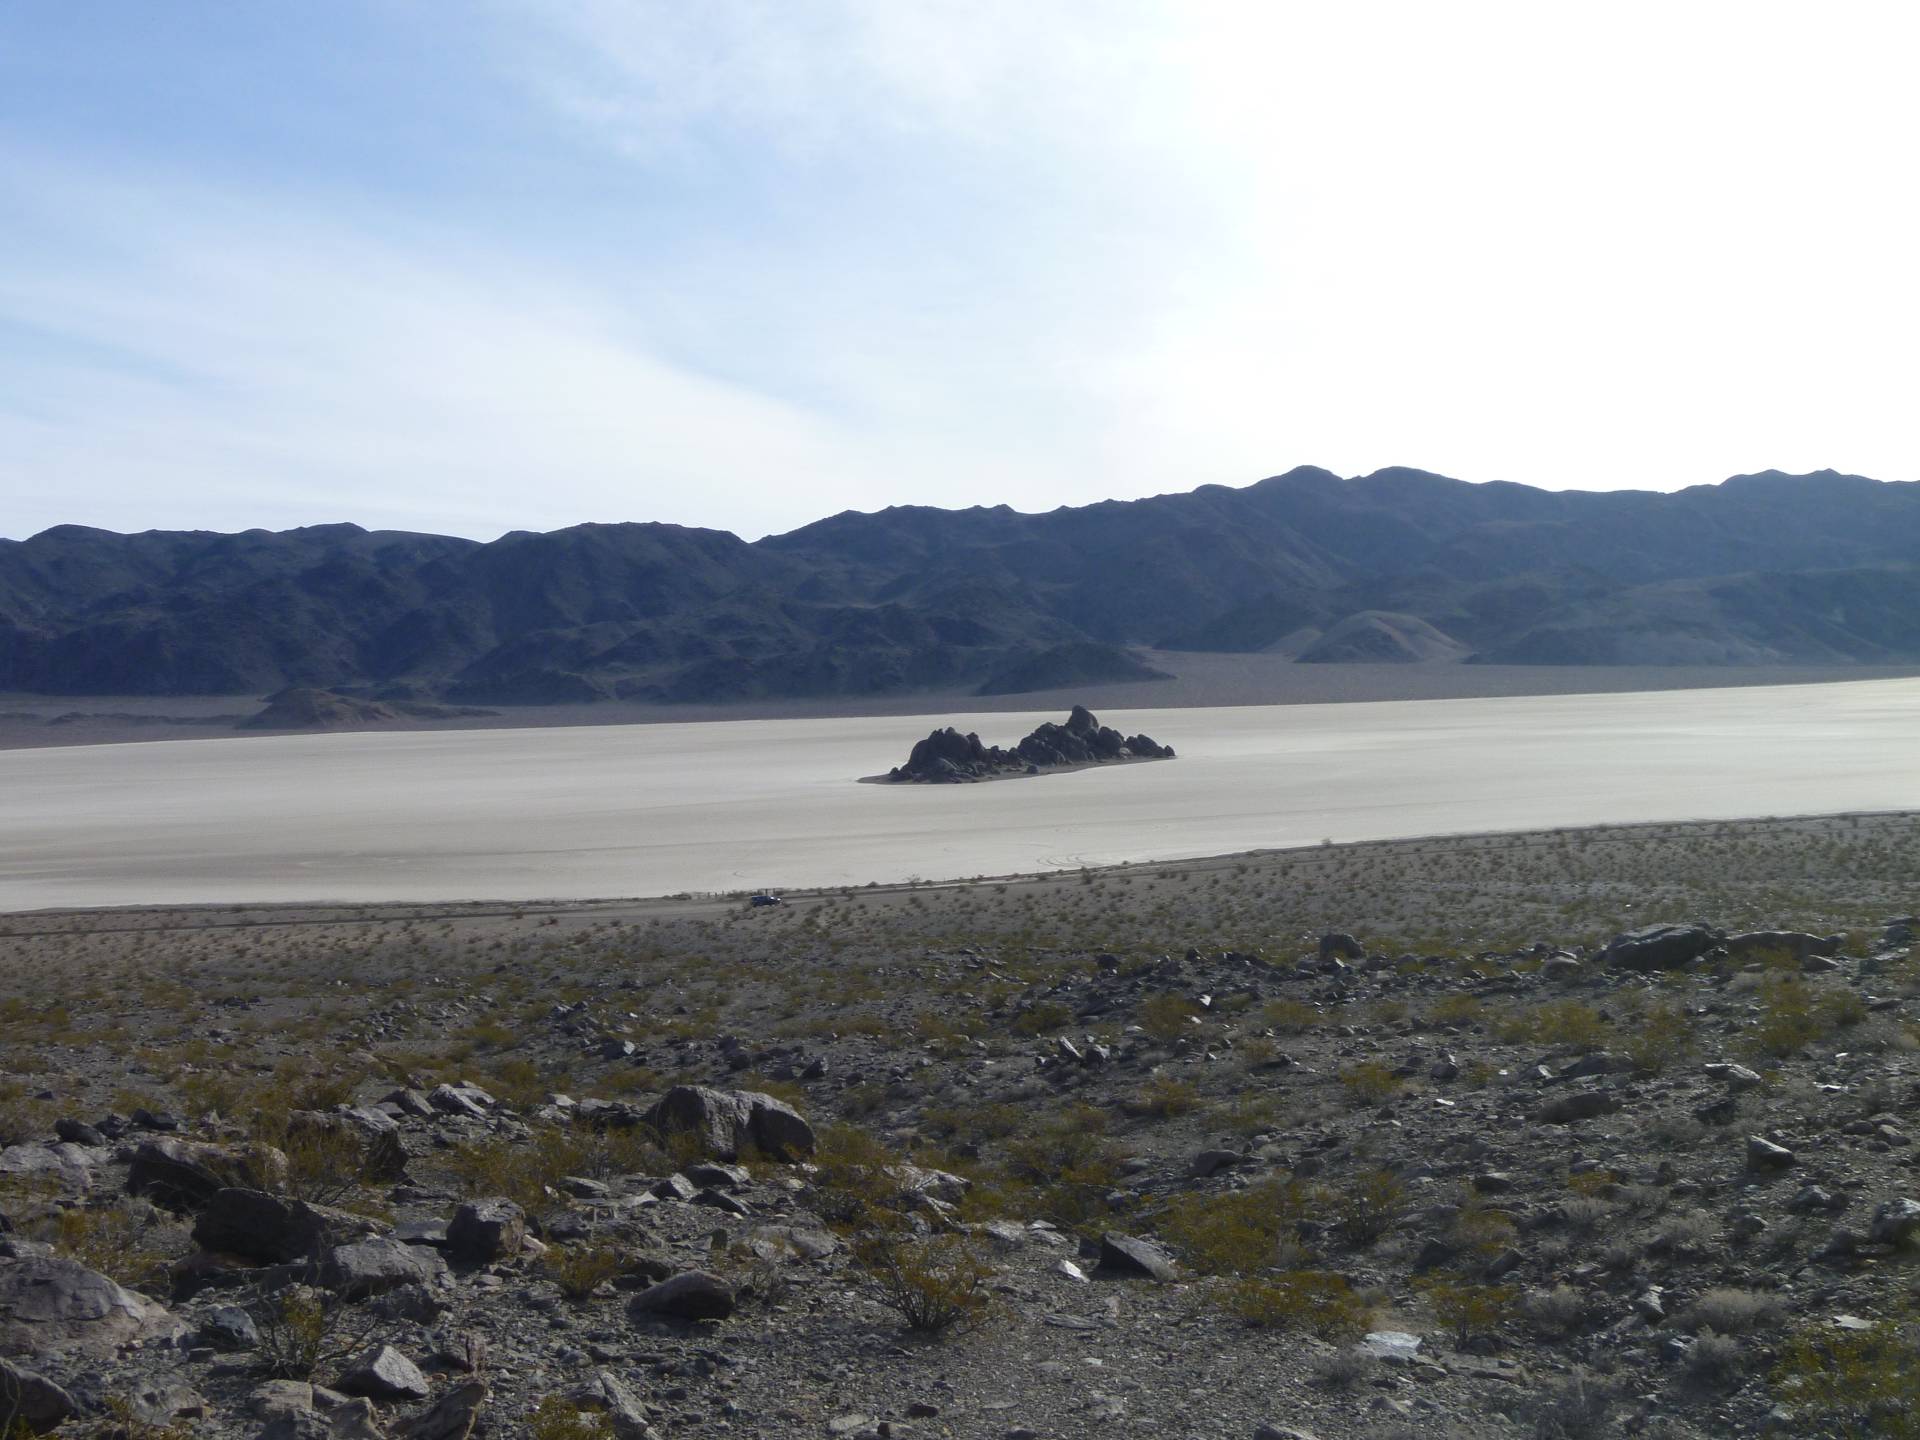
point(1399, 565)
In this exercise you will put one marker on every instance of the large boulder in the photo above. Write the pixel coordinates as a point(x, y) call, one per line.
point(32, 1400)
point(272, 1230)
point(1660, 947)
point(725, 1122)
point(67, 1165)
point(373, 1267)
point(696, 1295)
point(185, 1175)
point(486, 1230)
point(53, 1305)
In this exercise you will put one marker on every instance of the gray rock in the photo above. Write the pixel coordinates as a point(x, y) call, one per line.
point(230, 1327)
point(1280, 1432)
point(184, 1175)
point(29, 1397)
point(373, 1267)
point(1794, 942)
point(1211, 1162)
point(1894, 1222)
point(1127, 1255)
point(1338, 945)
point(273, 1230)
point(1577, 1105)
point(383, 1373)
point(78, 1132)
point(1660, 947)
point(695, 1295)
point(607, 1394)
point(727, 1121)
point(67, 1165)
point(53, 1305)
point(483, 1231)
point(452, 1418)
point(1763, 1154)
point(464, 1100)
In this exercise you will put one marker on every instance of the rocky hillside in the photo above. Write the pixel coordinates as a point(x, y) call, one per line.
point(1359, 1143)
point(1398, 565)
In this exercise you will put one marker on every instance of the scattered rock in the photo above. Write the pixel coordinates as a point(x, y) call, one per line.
point(695, 1295)
point(383, 1373)
point(483, 1231)
point(1126, 1255)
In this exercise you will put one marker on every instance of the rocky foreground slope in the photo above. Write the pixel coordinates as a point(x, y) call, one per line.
point(1130, 1152)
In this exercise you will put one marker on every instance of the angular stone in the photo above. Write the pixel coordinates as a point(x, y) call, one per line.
point(452, 1418)
point(272, 1230)
point(1126, 1255)
point(483, 1231)
point(695, 1295)
point(1894, 1222)
point(373, 1267)
point(67, 1164)
point(1763, 1154)
point(49, 1304)
point(1577, 1105)
point(1660, 947)
point(726, 1121)
point(184, 1175)
point(383, 1373)
point(31, 1399)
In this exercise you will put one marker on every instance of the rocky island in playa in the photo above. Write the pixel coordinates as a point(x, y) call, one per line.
point(948, 757)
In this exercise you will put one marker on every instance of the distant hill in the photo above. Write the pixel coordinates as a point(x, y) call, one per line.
point(1398, 565)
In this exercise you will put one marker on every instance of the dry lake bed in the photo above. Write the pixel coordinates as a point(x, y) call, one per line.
point(660, 809)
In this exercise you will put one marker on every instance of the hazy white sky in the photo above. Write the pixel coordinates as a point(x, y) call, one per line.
point(523, 263)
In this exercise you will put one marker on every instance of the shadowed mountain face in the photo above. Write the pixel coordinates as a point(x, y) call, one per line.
point(1396, 565)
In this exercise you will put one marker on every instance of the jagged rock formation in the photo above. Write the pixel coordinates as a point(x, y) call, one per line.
point(946, 756)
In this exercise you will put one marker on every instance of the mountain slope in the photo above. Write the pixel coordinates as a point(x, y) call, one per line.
point(1399, 564)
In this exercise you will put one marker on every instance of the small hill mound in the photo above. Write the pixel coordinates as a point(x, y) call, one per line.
point(1381, 637)
point(302, 708)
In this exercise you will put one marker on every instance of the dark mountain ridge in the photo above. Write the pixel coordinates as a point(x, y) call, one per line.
point(1399, 564)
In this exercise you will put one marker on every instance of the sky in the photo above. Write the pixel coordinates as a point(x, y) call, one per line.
point(518, 264)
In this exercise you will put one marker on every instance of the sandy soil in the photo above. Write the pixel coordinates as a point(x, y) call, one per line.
point(1198, 680)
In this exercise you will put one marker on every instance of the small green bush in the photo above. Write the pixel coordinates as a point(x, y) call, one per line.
point(1321, 1304)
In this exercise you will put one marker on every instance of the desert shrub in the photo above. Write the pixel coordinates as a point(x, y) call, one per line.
point(1321, 1304)
point(1660, 1036)
point(1165, 1096)
point(853, 1181)
point(125, 1242)
point(1166, 1017)
point(1457, 1009)
point(555, 1418)
point(1289, 1016)
point(1370, 1207)
point(1346, 1368)
point(1572, 1023)
point(933, 1285)
point(1577, 1408)
point(1554, 1313)
point(1472, 1314)
point(1481, 1230)
point(1732, 1312)
point(972, 1123)
point(326, 1164)
point(1788, 1022)
point(1688, 1234)
point(1236, 1233)
point(1845, 1383)
point(303, 1328)
point(1067, 1166)
point(1370, 1082)
point(1715, 1362)
point(581, 1269)
point(1041, 1017)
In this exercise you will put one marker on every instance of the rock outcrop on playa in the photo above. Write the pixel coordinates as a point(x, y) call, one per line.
point(946, 756)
